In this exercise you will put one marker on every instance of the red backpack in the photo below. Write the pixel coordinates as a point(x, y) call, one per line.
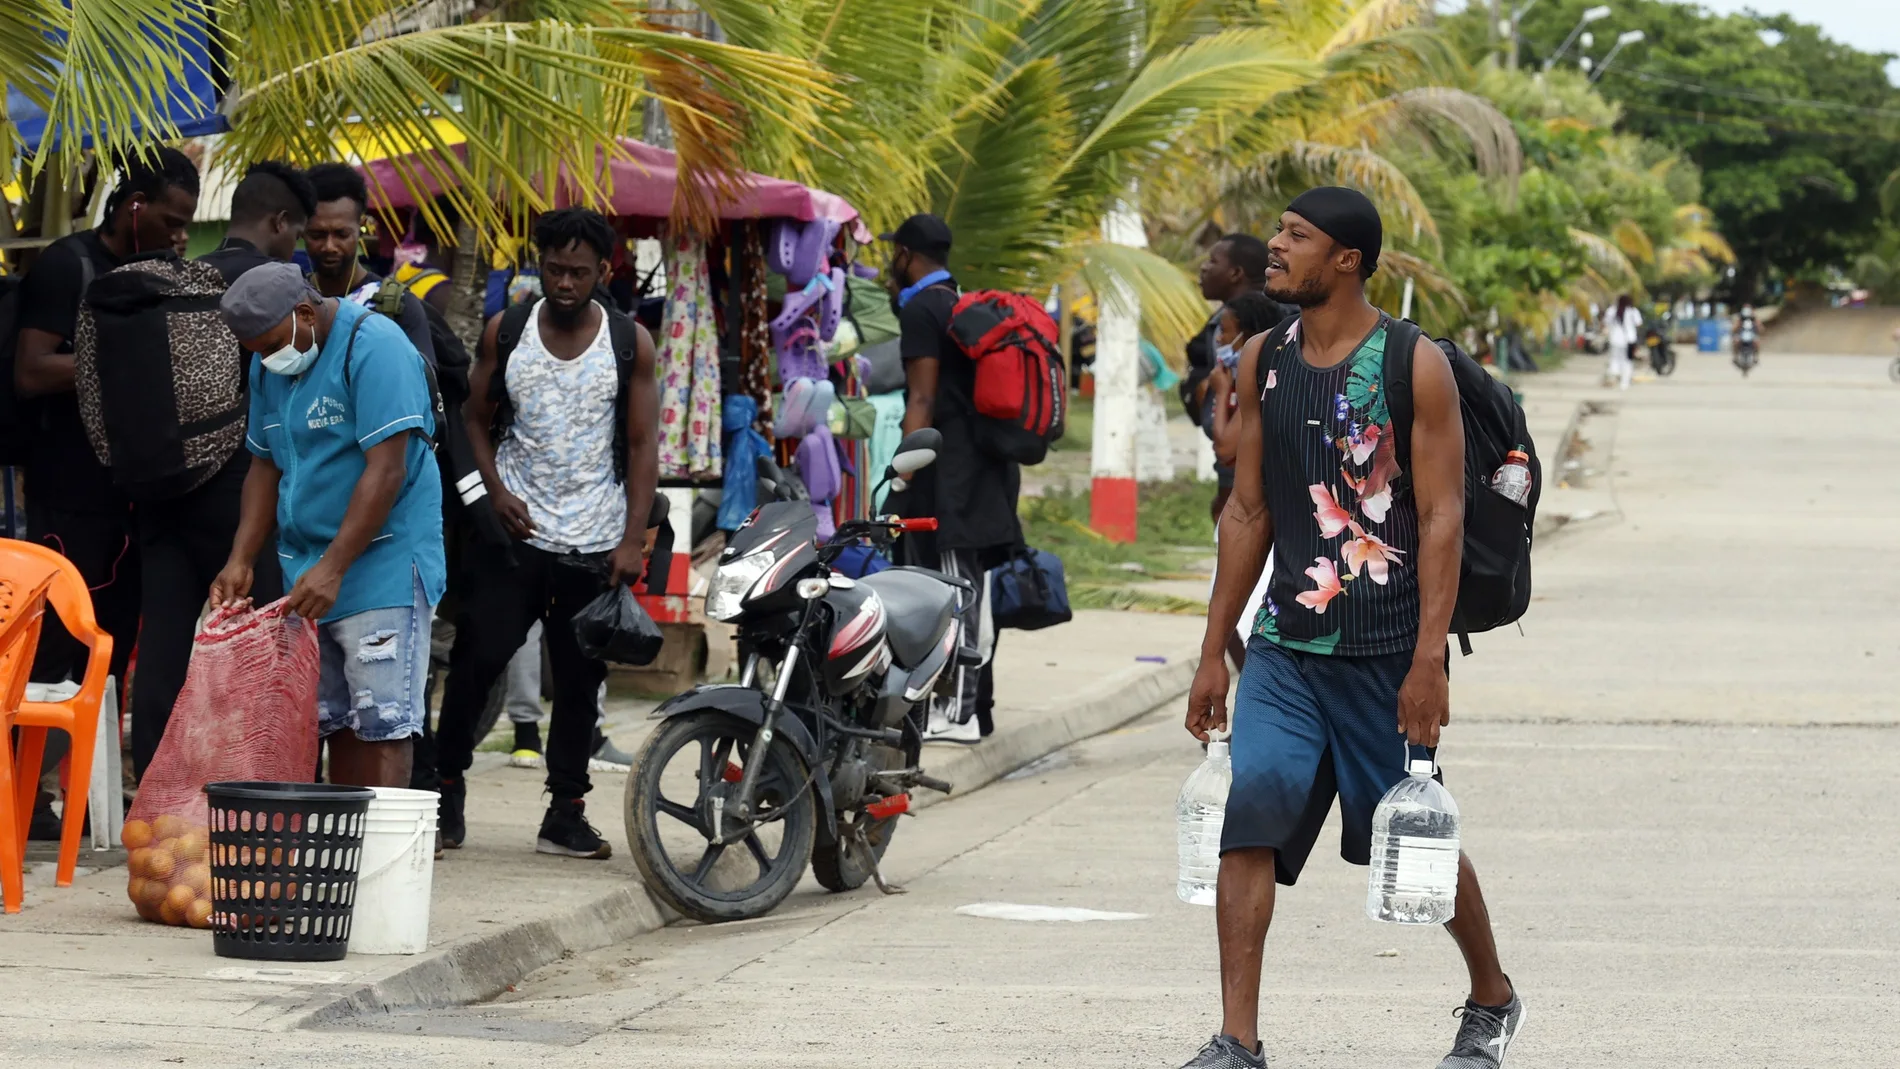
point(1021, 380)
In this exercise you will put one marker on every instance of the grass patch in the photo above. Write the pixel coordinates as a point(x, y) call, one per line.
point(1174, 532)
point(1131, 599)
point(1078, 429)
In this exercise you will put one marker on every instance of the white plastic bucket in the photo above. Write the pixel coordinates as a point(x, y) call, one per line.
point(394, 878)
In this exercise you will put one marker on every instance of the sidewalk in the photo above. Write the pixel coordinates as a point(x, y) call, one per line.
point(500, 910)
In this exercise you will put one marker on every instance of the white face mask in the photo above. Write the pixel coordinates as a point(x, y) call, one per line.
point(1226, 354)
point(290, 360)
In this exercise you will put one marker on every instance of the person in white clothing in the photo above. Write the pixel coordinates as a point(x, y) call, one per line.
point(1624, 324)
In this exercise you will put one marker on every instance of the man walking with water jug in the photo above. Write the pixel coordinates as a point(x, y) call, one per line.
point(1346, 673)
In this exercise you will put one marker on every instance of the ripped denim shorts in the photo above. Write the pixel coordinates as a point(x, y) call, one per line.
point(374, 667)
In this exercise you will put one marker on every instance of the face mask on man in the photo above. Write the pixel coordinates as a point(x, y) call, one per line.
point(290, 360)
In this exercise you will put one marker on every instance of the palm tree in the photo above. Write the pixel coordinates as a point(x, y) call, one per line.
point(518, 91)
point(1024, 122)
point(1388, 82)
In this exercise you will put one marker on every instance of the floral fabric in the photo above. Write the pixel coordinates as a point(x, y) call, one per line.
point(688, 368)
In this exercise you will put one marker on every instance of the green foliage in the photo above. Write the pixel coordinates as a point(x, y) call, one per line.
point(1793, 134)
point(1174, 532)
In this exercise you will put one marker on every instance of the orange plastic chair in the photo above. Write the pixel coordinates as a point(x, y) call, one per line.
point(21, 610)
point(78, 716)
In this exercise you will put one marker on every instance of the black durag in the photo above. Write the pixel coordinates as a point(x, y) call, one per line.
point(1346, 215)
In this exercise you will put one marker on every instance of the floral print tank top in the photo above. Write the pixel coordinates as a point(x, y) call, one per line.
point(1345, 525)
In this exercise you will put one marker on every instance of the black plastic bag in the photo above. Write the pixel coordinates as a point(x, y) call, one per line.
point(613, 627)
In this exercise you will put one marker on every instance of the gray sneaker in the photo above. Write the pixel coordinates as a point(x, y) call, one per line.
point(1225, 1052)
point(1485, 1035)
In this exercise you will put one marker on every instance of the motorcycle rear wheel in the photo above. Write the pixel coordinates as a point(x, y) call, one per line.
point(722, 883)
point(843, 866)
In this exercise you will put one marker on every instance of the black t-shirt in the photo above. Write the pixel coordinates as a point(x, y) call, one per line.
point(971, 493)
point(62, 471)
point(235, 257)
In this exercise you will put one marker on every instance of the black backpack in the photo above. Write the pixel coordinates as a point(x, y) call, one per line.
point(160, 379)
point(387, 302)
point(1494, 582)
point(622, 331)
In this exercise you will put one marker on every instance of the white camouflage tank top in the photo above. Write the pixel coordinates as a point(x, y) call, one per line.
point(558, 455)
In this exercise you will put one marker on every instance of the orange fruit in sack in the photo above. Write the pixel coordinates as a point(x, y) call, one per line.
point(169, 827)
point(159, 864)
point(180, 899)
point(137, 861)
point(171, 915)
point(135, 889)
point(146, 913)
point(189, 847)
point(152, 894)
point(137, 833)
point(197, 877)
point(199, 914)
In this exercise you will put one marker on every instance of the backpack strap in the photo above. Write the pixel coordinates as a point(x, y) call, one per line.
point(349, 349)
point(623, 333)
point(1401, 342)
point(514, 321)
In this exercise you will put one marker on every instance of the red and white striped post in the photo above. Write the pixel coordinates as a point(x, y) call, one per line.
point(1113, 498)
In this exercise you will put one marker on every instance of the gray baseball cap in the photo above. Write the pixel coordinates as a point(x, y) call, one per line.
point(263, 296)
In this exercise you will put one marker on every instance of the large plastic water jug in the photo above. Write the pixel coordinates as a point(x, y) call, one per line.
point(1414, 851)
point(1200, 813)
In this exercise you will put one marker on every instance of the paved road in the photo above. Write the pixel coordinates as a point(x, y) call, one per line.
point(1672, 785)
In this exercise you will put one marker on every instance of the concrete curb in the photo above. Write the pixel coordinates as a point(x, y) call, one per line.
point(480, 968)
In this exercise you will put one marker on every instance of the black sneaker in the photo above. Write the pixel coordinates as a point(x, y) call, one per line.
point(449, 826)
point(566, 833)
point(1485, 1035)
point(45, 825)
point(1225, 1052)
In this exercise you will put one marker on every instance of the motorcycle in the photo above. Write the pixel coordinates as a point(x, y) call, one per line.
point(1747, 350)
point(1662, 355)
point(811, 755)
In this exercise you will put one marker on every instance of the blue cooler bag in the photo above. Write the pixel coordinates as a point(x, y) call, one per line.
point(1029, 593)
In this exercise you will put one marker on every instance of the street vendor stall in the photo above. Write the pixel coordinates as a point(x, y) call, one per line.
point(751, 317)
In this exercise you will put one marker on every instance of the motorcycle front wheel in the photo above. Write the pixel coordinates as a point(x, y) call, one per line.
point(1663, 362)
point(686, 774)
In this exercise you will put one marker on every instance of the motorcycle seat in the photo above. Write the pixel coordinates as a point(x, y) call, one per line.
point(918, 608)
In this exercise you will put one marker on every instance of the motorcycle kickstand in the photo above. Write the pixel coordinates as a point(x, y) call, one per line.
point(877, 870)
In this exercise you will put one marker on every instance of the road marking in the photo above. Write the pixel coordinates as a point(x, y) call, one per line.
point(1012, 911)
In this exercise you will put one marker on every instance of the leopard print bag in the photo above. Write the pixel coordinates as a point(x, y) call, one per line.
point(160, 378)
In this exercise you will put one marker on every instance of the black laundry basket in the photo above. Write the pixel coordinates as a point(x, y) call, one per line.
point(283, 868)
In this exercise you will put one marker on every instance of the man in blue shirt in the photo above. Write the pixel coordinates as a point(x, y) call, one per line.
point(339, 422)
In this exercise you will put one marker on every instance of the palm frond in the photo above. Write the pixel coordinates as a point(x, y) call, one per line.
point(1630, 237)
point(1438, 299)
point(1484, 132)
point(535, 100)
point(110, 74)
point(1605, 258)
point(1373, 19)
point(995, 188)
point(1226, 71)
point(1170, 303)
point(1275, 180)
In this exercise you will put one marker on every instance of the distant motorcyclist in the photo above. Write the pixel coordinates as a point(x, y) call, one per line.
point(1747, 343)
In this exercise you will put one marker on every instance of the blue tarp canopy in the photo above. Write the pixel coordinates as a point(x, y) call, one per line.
point(192, 102)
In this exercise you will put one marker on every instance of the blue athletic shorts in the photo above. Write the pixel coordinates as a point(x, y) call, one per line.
point(1308, 726)
point(372, 667)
